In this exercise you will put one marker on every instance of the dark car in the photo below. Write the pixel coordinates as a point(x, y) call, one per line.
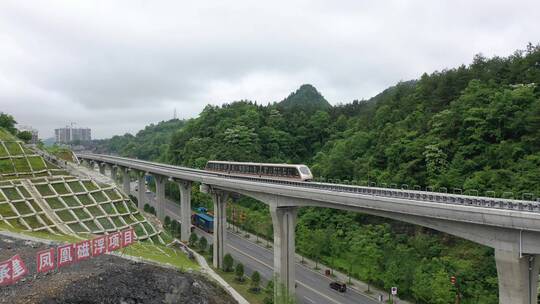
point(341, 287)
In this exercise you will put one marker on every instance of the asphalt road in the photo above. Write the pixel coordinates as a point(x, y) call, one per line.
point(312, 287)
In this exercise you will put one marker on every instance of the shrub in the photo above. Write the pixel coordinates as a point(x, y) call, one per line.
point(255, 281)
point(193, 239)
point(228, 263)
point(239, 272)
point(203, 244)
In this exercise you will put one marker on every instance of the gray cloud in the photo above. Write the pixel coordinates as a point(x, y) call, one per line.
point(116, 66)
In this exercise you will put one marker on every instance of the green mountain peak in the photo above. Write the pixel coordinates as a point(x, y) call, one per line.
point(306, 99)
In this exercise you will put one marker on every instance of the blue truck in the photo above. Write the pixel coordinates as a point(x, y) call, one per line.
point(203, 220)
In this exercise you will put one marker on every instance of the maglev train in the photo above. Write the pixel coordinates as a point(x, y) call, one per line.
point(278, 171)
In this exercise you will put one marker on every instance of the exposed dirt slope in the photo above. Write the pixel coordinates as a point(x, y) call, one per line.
point(104, 279)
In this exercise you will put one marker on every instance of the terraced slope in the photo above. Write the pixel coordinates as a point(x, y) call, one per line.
point(37, 196)
point(17, 161)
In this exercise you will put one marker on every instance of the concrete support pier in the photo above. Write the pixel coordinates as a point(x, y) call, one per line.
point(160, 196)
point(126, 181)
point(220, 225)
point(141, 189)
point(114, 173)
point(518, 277)
point(101, 168)
point(185, 209)
point(284, 222)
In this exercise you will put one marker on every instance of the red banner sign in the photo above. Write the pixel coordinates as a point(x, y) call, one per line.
point(128, 237)
point(45, 260)
point(65, 255)
point(14, 269)
point(6, 273)
point(114, 241)
point(18, 268)
point(99, 245)
point(83, 250)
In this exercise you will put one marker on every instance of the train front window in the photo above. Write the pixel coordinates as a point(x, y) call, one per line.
point(304, 170)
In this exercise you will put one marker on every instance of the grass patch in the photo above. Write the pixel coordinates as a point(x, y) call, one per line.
point(117, 222)
point(17, 224)
point(6, 166)
point(120, 207)
point(139, 231)
point(37, 163)
point(85, 199)
point(3, 151)
point(81, 214)
point(105, 223)
point(108, 208)
point(76, 187)
point(95, 211)
point(242, 288)
point(161, 254)
point(35, 205)
point(77, 228)
point(24, 192)
point(71, 201)
point(65, 215)
point(21, 165)
point(44, 190)
point(148, 228)
point(14, 148)
point(139, 217)
point(99, 197)
point(89, 186)
point(46, 219)
point(92, 226)
point(131, 206)
point(54, 203)
point(6, 211)
point(60, 188)
point(128, 219)
point(12, 194)
point(33, 222)
point(113, 195)
point(5, 135)
point(22, 208)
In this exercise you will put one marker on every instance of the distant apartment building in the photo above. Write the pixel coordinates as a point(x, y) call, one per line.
point(34, 132)
point(68, 134)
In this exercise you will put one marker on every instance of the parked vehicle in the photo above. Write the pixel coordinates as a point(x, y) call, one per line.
point(341, 287)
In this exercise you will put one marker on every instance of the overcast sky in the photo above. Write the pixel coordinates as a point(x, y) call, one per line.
point(116, 66)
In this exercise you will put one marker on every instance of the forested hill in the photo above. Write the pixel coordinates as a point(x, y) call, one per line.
point(306, 99)
point(474, 127)
point(150, 143)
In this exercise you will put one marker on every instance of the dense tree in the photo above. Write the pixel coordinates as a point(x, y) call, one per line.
point(25, 136)
point(7, 122)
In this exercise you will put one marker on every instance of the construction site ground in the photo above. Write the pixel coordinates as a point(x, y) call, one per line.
point(104, 279)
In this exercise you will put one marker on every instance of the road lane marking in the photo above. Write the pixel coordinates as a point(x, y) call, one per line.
point(299, 283)
point(306, 268)
point(309, 300)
